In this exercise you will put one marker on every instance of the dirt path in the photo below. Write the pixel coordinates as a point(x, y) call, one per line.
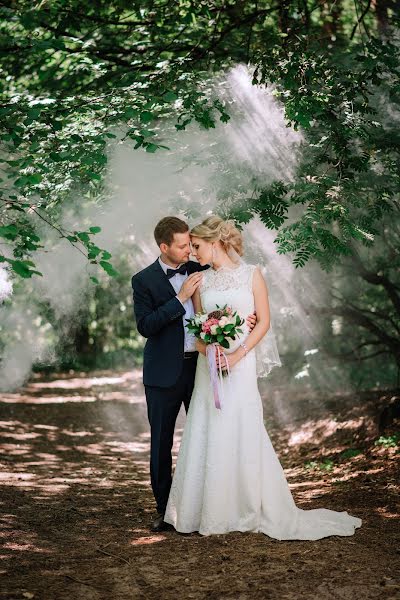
point(76, 502)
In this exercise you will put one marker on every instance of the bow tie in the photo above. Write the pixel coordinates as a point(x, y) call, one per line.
point(182, 270)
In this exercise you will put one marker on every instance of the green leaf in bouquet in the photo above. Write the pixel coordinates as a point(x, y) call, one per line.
point(225, 343)
point(237, 320)
point(228, 328)
point(220, 338)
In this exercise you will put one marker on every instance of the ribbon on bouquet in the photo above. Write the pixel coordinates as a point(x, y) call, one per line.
point(215, 373)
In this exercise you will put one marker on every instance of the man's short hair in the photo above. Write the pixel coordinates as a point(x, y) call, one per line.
point(165, 229)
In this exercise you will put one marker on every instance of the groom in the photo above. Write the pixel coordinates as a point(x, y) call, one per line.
point(162, 296)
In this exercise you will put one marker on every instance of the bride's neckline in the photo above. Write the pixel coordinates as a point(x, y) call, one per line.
point(226, 268)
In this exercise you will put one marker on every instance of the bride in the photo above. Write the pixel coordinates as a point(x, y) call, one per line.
point(228, 476)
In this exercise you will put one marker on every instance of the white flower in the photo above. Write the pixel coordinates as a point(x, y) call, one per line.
point(223, 321)
point(213, 329)
point(203, 318)
point(202, 335)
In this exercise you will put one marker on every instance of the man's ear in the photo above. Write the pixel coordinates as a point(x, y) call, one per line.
point(163, 248)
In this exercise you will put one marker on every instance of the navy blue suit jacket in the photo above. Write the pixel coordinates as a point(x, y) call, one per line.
point(158, 316)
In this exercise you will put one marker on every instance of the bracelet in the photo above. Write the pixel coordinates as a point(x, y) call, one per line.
point(245, 348)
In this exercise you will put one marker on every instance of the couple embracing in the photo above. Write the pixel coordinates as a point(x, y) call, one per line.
point(228, 476)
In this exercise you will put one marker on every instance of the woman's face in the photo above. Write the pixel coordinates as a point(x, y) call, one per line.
point(201, 250)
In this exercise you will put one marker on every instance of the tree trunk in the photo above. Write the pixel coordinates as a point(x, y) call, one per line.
point(331, 17)
point(283, 16)
point(81, 344)
point(382, 14)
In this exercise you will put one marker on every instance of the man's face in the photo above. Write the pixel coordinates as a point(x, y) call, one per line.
point(179, 250)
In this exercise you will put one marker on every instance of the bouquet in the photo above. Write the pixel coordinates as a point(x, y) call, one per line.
point(217, 328)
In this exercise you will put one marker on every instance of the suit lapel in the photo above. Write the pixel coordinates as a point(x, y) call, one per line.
point(163, 279)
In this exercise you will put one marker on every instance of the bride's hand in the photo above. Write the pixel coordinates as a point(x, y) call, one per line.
point(201, 347)
point(232, 359)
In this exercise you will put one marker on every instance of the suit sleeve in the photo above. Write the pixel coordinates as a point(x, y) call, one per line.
point(149, 321)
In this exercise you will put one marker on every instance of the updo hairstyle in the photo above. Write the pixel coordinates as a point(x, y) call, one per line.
point(215, 229)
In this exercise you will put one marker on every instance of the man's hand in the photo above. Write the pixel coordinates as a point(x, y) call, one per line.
point(189, 286)
point(251, 321)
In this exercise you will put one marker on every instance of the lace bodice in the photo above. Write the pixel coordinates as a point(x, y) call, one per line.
point(234, 287)
point(231, 286)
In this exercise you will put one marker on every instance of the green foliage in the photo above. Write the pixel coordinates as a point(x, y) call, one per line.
point(350, 453)
point(102, 332)
point(23, 268)
point(79, 75)
point(324, 465)
point(364, 306)
point(328, 464)
point(390, 441)
point(348, 177)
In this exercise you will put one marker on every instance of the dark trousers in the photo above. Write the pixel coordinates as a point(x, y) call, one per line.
point(163, 405)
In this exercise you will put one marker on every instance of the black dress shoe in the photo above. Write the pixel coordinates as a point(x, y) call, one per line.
point(160, 525)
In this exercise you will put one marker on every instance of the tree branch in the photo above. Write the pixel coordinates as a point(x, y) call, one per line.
point(376, 279)
point(360, 19)
point(374, 313)
point(355, 317)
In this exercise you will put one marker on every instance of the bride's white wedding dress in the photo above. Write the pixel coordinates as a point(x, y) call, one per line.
point(228, 476)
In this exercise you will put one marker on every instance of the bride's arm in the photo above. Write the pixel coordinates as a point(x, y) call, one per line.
point(197, 301)
point(261, 302)
point(200, 346)
point(260, 292)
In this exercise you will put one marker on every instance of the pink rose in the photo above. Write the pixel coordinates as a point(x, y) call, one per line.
point(206, 327)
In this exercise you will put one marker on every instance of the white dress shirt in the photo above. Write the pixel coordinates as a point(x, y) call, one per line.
point(177, 282)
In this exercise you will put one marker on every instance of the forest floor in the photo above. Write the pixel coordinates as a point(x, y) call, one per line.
point(76, 500)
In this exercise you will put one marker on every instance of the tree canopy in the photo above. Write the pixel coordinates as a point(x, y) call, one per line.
point(73, 71)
